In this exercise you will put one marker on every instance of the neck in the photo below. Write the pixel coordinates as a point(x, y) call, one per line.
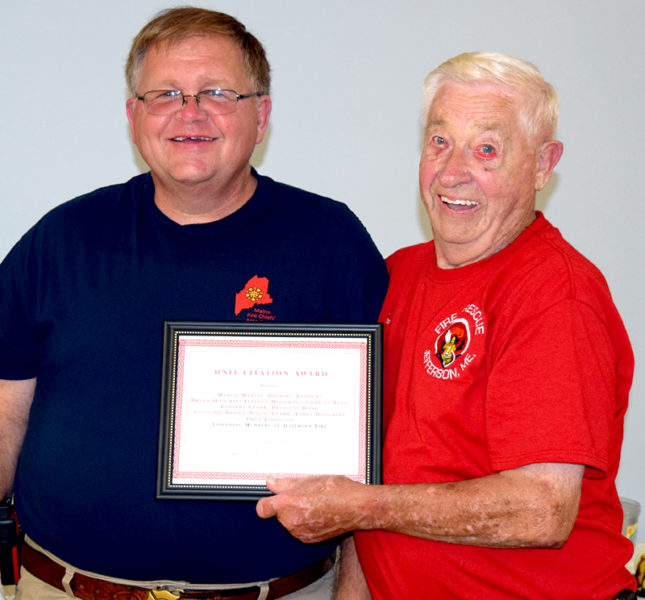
point(202, 203)
point(455, 255)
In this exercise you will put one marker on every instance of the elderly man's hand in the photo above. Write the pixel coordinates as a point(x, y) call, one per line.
point(314, 509)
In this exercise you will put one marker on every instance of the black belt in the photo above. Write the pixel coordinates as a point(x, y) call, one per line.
point(91, 588)
point(625, 595)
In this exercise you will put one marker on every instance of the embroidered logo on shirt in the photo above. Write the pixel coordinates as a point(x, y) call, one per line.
point(452, 352)
point(450, 345)
point(255, 292)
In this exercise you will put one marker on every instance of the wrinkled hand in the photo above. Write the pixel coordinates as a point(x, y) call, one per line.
point(314, 509)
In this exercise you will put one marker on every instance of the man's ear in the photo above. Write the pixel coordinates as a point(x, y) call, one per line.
point(548, 156)
point(263, 112)
point(129, 110)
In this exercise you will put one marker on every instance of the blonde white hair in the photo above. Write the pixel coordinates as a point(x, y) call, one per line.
point(539, 116)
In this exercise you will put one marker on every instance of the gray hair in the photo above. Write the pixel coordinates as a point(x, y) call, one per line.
point(539, 117)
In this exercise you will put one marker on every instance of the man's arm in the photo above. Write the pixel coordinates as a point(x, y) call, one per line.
point(532, 506)
point(15, 401)
point(351, 584)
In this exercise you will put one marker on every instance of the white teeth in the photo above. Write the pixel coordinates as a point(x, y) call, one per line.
point(193, 138)
point(458, 201)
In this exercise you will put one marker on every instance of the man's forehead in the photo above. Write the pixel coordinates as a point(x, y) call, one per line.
point(482, 105)
point(212, 59)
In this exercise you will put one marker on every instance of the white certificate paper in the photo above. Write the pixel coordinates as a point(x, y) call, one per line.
point(247, 402)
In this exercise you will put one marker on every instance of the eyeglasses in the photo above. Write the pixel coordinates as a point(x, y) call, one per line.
point(214, 102)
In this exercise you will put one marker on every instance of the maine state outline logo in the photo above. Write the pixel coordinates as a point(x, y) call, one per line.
point(453, 349)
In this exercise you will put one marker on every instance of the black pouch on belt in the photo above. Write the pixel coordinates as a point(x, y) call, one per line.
point(10, 539)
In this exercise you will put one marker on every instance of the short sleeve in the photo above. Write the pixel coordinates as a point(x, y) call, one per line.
point(18, 335)
point(552, 390)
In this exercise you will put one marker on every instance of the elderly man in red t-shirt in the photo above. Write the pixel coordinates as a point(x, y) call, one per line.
point(507, 372)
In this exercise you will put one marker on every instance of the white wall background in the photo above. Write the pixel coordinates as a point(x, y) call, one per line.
point(346, 94)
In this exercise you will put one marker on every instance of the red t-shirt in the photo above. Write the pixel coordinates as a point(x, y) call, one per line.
point(520, 358)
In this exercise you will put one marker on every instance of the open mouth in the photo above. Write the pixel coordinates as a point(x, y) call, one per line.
point(458, 203)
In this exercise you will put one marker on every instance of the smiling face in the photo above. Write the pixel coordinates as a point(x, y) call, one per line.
point(479, 171)
point(190, 150)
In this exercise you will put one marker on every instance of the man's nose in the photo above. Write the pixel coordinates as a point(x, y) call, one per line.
point(190, 108)
point(455, 169)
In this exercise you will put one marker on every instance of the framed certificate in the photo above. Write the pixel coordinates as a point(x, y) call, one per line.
point(245, 401)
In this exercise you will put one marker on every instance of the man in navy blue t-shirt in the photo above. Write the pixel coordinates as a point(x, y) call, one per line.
point(83, 299)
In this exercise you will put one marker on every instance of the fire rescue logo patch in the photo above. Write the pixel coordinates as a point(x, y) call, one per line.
point(455, 346)
point(452, 343)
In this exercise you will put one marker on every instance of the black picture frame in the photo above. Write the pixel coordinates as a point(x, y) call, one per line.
point(222, 354)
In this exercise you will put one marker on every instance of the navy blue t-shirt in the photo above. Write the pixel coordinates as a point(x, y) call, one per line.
point(84, 296)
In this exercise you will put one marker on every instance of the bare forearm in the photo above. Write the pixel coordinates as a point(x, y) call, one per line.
point(532, 506)
point(519, 508)
point(15, 402)
point(351, 584)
